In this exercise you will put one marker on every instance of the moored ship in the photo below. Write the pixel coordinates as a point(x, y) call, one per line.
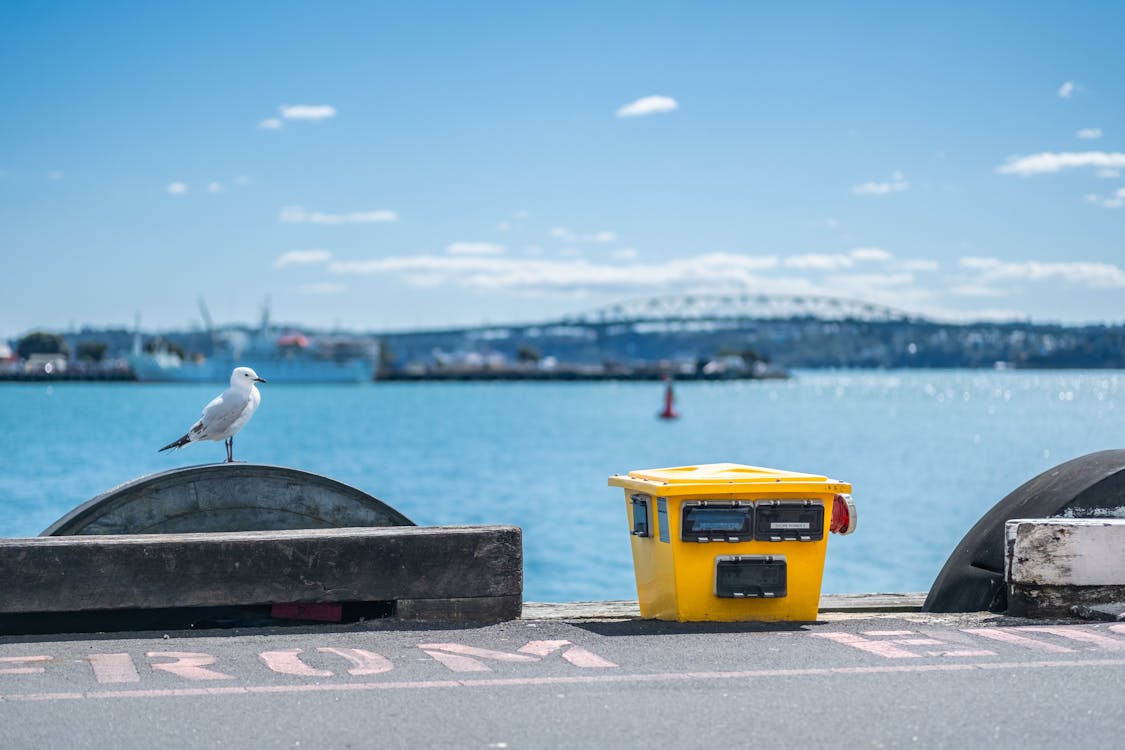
point(288, 358)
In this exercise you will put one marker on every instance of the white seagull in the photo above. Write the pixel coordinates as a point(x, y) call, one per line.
point(227, 414)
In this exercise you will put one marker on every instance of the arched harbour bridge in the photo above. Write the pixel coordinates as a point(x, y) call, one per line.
point(725, 307)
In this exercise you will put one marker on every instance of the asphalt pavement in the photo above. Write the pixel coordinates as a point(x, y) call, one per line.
point(892, 680)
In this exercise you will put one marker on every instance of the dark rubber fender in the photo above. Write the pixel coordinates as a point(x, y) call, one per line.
point(972, 579)
point(226, 497)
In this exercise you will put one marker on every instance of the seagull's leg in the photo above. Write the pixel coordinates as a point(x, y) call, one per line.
point(229, 443)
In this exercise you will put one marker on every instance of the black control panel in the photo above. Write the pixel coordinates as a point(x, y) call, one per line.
point(750, 576)
point(705, 521)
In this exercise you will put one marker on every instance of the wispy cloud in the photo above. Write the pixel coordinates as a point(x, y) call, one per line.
point(921, 265)
point(298, 215)
point(176, 188)
point(1082, 273)
point(309, 112)
point(475, 248)
point(820, 261)
point(214, 187)
point(897, 184)
point(1066, 90)
point(648, 105)
point(566, 235)
point(314, 112)
point(1089, 133)
point(977, 290)
point(877, 254)
point(55, 175)
point(1108, 174)
point(1116, 199)
point(302, 258)
point(490, 273)
point(838, 261)
point(1048, 162)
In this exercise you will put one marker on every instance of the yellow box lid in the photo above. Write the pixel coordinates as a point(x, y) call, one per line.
point(723, 478)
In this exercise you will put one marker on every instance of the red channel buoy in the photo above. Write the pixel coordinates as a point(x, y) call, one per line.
point(669, 401)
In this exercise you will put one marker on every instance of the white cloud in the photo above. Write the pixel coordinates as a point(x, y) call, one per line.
point(270, 123)
point(820, 261)
point(214, 187)
point(1089, 133)
point(566, 235)
point(837, 261)
point(648, 105)
point(298, 215)
point(624, 253)
point(897, 184)
point(1048, 162)
point(503, 226)
point(1116, 199)
point(977, 290)
point(177, 188)
point(920, 265)
point(241, 180)
point(323, 287)
point(1108, 174)
point(312, 112)
point(302, 257)
point(871, 253)
point(1066, 90)
point(861, 282)
point(490, 273)
point(1082, 273)
point(475, 248)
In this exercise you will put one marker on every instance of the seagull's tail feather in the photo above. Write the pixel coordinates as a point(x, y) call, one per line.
point(177, 443)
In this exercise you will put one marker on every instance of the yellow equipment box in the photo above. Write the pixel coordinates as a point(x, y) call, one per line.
point(726, 542)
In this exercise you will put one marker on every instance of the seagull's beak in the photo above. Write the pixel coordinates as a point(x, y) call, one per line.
point(259, 380)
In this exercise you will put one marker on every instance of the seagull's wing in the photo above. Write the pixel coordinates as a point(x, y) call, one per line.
point(219, 417)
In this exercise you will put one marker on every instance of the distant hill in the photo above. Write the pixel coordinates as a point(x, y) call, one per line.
point(786, 331)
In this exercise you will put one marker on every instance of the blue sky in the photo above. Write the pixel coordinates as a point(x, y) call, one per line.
point(381, 166)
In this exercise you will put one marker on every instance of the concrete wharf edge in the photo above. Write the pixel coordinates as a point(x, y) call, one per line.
point(459, 573)
point(830, 604)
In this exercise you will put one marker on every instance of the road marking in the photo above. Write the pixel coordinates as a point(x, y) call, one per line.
point(1077, 633)
point(583, 679)
point(890, 649)
point(113, 668)
point(885, 649)
point(23, 660)
point(288, 661)
point(189, 665)
point(576, 655)
point(363, 662)
point(461, 658)
point(1005, 636)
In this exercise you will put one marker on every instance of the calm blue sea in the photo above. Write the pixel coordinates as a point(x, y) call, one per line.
point(927, 452)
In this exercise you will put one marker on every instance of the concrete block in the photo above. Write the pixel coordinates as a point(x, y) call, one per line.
point(457, 573)
point(1055, 564)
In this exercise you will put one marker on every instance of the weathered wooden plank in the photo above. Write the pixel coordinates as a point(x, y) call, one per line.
point(80, 573)
point(472, 609)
